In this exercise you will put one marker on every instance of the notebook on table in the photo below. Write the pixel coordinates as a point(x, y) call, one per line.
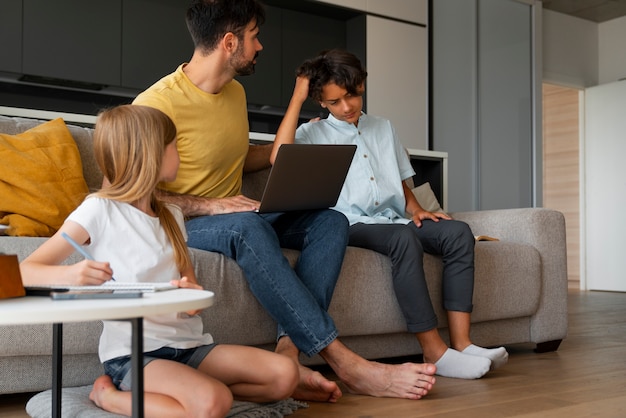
point(306, 177)
point(110, 285)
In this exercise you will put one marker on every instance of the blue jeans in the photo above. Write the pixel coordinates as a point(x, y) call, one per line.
point(296, 298)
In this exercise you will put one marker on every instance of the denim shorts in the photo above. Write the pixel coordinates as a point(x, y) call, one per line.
point(119, 368)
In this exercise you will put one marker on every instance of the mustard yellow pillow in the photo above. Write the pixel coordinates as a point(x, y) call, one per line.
point(41, 179)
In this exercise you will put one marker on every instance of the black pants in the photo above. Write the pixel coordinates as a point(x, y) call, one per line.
point(405, 246)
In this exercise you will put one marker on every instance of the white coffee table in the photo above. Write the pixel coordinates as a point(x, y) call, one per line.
point(44, 310)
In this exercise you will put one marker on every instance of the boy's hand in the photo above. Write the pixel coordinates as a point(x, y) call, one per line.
point(421, 215)
point(301, 90)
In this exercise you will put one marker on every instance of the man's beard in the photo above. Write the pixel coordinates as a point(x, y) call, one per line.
point(242, 67)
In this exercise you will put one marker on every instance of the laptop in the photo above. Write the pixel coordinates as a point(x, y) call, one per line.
point(306, 177)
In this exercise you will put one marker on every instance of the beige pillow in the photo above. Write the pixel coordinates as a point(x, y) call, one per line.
point(41, 179)
point(426, 198)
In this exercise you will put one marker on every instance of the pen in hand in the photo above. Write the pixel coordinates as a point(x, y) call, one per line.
point(80, 249)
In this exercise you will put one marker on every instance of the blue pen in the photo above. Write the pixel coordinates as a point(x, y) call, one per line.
point(78, 248)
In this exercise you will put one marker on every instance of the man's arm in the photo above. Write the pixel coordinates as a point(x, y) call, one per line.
point(200, 206)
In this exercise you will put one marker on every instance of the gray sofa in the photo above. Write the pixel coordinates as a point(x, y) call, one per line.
point(520, 293)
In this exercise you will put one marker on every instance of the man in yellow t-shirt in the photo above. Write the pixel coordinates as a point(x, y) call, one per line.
point(209, 110)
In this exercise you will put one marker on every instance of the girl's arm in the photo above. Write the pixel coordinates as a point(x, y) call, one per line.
point(43, 266)
point(188, 281)
point(286, 133)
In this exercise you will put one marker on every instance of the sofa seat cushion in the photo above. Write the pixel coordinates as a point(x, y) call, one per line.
point(507, 285)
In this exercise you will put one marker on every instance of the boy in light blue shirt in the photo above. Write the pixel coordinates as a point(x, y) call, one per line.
point(386, 217)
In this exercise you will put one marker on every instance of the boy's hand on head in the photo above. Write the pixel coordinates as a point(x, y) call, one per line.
point(301, 90)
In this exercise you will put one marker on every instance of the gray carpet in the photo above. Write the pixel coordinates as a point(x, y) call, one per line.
point(75, 403)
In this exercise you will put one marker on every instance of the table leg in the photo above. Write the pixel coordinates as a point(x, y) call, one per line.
point(137, 367)
point(57, 369)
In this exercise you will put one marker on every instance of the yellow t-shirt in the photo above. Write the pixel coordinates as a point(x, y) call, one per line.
point(212, 131)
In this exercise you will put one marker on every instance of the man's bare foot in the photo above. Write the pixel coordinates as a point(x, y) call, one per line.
point(408, 380)
point(103, 387)
point(313, 386)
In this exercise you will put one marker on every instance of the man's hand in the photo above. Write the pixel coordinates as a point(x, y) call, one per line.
point(233, 204)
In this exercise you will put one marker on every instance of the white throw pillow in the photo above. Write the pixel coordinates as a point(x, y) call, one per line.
point(426, 198)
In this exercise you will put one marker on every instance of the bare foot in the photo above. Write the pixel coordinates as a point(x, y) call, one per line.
point(313, 386)
point(103, 387)
point(408, 380)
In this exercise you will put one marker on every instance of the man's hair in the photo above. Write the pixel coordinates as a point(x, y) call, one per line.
point(209, 20)
point(129, 143)
point(333, 66)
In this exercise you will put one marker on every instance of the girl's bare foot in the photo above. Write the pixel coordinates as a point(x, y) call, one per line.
point(102, 389)
point(313, 386)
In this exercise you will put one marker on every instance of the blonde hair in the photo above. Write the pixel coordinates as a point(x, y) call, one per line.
point(129, 143)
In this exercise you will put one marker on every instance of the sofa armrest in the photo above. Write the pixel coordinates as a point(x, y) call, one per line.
point(543, 229)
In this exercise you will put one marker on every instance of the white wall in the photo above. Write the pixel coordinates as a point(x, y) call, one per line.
point(570, 50)
point(580, 53)
point(612, 50)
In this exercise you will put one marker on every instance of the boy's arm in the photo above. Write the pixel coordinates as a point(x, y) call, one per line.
point(258, 158)
point(286, 133)
point(417, 212)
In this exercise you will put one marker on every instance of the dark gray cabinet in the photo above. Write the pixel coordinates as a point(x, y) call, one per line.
point(73, 40)
point(155, 40)
point(11, 36)
point(118, 48)
point(304, 36)
point(289, 37)
point(263, 87)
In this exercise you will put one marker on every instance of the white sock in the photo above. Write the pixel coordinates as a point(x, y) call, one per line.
point(498, 356)
point(462, 366)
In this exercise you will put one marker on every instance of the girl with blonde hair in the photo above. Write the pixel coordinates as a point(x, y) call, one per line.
point(186, 373)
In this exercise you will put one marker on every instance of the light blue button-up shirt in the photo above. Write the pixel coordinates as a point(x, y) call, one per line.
point(372, 192)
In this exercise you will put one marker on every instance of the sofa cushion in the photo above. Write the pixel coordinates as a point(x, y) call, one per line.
point(41, 179)
point(426, 198)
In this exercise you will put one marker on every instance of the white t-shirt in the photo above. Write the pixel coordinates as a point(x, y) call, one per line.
point(138, 250)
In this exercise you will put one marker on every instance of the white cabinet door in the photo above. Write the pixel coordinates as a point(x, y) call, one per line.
point(605, 186)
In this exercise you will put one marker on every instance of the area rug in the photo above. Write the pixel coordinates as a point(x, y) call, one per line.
point(75, 403)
